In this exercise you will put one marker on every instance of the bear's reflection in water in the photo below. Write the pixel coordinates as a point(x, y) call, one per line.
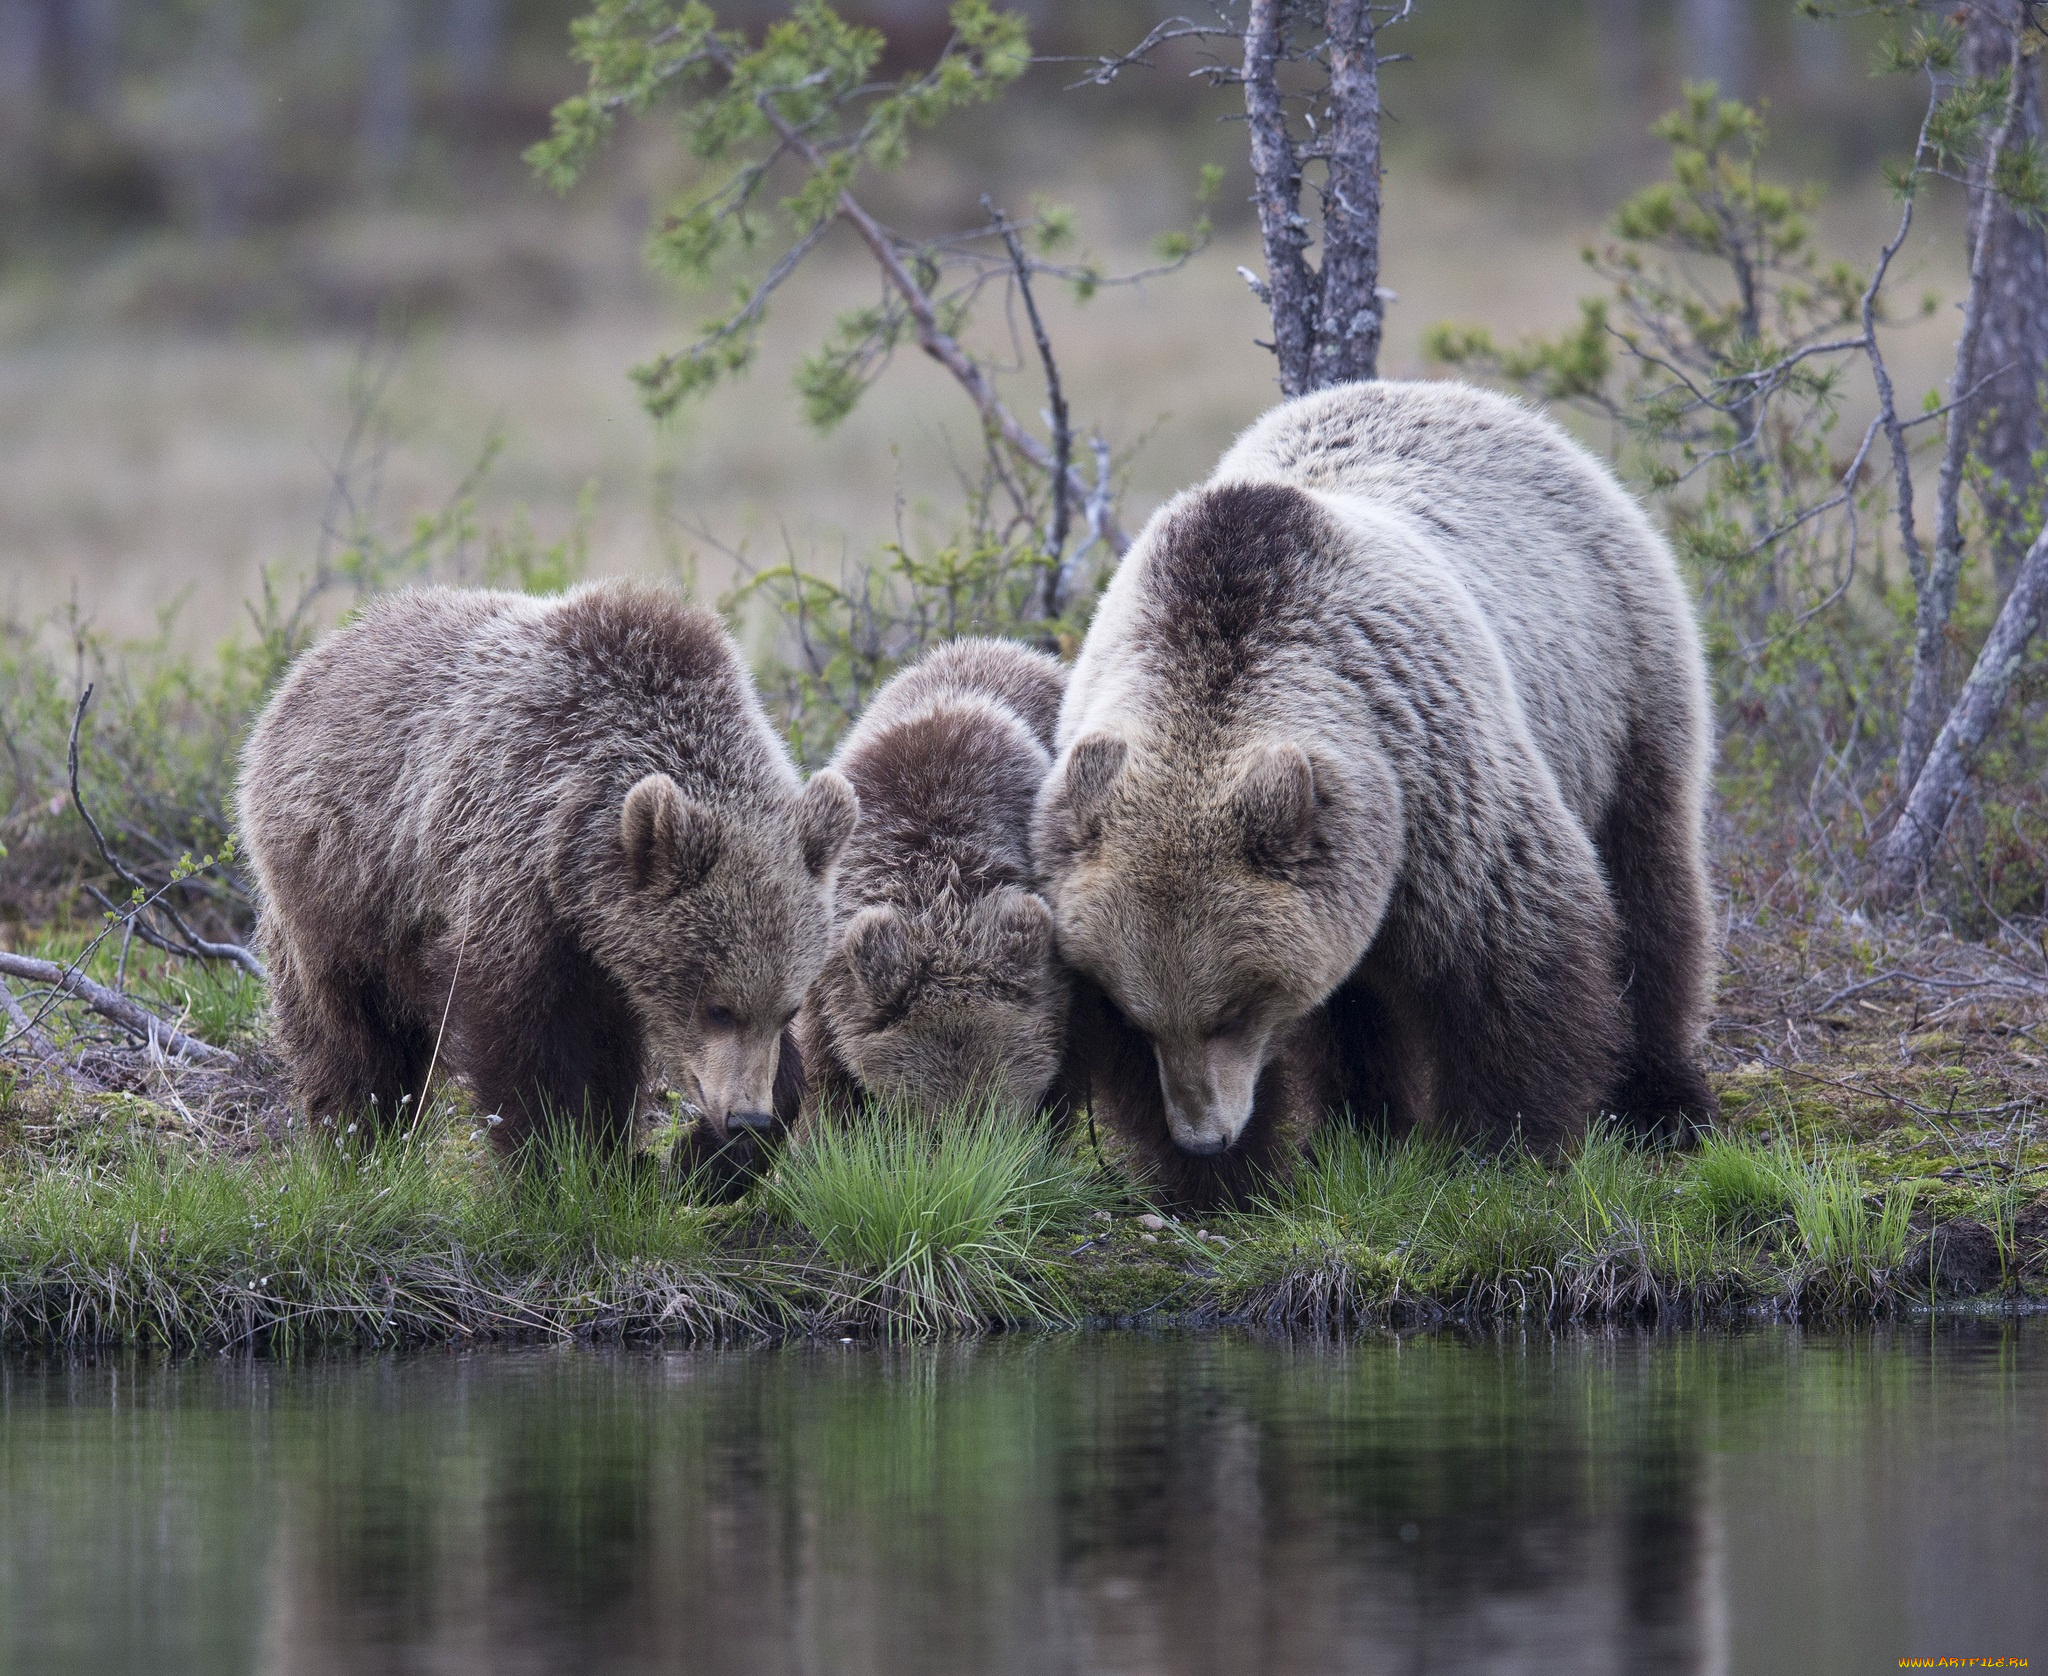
point(1185, 1506)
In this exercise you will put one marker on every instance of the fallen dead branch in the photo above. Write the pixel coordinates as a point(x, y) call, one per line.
point(145, 1026)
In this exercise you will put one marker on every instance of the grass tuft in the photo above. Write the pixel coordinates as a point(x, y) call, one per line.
point(937, 1225)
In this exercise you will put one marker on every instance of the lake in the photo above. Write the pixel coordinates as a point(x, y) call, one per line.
point(1769, 1500)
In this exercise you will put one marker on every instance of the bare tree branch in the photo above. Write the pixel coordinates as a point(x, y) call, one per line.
point(25, 1035)
point(1097, 508)
point(932, 337)
point(1049, 603)
point(1106, 68)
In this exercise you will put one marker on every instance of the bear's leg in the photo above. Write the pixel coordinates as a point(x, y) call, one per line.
point(1112, 1078)
point(812, 1071)
point(1651, 846)
point(555, 1046)
point(1518, 994)
point(1380, 1053)
point(356, 1051)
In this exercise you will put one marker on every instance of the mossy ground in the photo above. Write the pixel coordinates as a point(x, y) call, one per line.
point(1878, 1150)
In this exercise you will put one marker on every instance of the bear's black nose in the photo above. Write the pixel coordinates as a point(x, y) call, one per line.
point(750, 1123)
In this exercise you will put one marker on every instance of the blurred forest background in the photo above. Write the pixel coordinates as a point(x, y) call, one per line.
point(234, 234)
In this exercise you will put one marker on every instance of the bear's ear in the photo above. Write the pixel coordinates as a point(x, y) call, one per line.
point(1017, 930)
point(1275, 808)
point(825, 817)
point(670, 842)
point(1081, 792)
point(878, 954)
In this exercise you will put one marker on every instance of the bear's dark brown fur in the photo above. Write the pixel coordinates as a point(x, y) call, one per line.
point(1382, 788)
point(942, 987)
point(553, 846)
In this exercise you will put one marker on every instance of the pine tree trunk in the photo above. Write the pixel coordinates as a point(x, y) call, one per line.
point(1936, 590)
point(2011, 360)
point(1327, 318)
point(1348, 327)
point(1907, 849)
point(1290, 283)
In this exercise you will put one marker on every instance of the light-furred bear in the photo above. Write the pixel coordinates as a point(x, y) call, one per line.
point(942, 987)
point(1381, 786)
point(552, 845)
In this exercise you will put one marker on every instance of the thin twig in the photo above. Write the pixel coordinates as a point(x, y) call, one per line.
point(455, 978)
point(1106, 68)
point(196, 946)
point(1050, 604)
point(25, 1032)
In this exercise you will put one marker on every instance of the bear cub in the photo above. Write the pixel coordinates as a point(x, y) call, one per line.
point(551, 845)
point(941, 985)
point(1382, 788)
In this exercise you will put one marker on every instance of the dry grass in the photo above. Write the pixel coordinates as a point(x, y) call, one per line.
point(144, 463)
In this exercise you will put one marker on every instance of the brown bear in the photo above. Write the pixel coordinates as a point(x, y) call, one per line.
point(1382, 787)
point(942, 988)
point(552, 845)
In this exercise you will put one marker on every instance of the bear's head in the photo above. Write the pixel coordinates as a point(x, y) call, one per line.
point(1216, 898)
point(717, 925)
point(961, 1003)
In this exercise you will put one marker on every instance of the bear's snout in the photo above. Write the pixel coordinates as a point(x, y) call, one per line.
point(1208, 1090)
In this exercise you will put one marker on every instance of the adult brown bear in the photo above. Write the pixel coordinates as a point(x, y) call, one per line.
point(1381, 786)
point(552, 845)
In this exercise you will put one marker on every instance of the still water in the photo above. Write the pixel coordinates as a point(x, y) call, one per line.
point(1759, 1502)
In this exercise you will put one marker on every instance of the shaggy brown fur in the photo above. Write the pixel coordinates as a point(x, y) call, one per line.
point(551, 845)
point(1382, 788)
point(942, 985)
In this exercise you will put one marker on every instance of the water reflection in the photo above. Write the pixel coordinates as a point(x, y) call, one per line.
point(1183, 1505)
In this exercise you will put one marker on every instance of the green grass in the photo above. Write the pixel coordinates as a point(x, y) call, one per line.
point(946, 1223)
point(1370, 1230)
point(148, 1243)
point(128, 1229)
